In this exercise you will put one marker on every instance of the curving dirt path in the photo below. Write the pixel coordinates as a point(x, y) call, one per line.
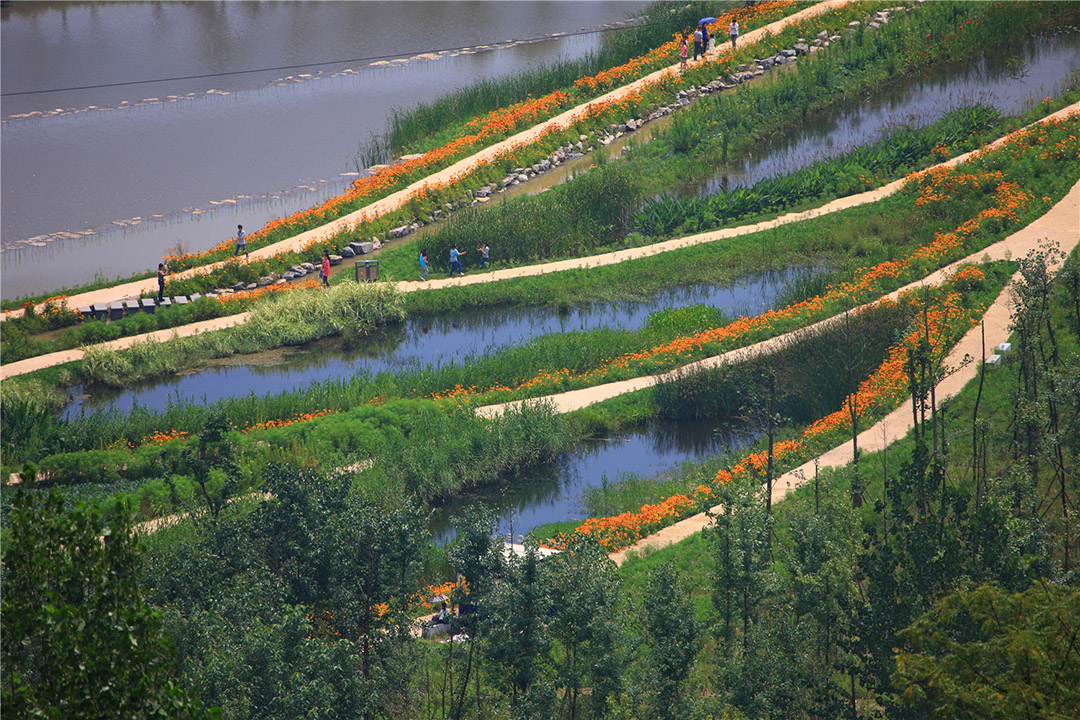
point(612, 258)
point(458, 169)
point(1061, 225)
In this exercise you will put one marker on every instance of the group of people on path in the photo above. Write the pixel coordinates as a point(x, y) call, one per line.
point(703, 43)
point(455, 260)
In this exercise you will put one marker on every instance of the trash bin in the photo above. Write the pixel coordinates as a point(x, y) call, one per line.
point(367, 271)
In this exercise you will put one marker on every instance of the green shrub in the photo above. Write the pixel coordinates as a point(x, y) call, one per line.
point(96, 466)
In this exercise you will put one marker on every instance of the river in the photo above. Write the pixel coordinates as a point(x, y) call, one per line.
point(276, 101)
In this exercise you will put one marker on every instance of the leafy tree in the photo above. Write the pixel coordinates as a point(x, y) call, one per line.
point(983, 653)
point(588, 622)
point(517, 624)
point(299, 605)
point(211, 463)
point(739, 541)
point(78, 639)
point(477, 556)
point(673, 636)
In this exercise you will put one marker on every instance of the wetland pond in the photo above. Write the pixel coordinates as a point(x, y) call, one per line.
point(1010, 81)
point(421, 342)
point(555, 493)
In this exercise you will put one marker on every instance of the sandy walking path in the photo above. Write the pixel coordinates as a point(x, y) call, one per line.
point(392, 202)
point(611, 258)
point(1061, 225)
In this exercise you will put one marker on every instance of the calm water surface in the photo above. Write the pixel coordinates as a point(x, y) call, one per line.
point(554, 494)
point(421, 342)
point(1008, 81)
point(242, 148)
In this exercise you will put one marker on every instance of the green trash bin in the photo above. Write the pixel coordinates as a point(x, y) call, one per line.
point(367, 271)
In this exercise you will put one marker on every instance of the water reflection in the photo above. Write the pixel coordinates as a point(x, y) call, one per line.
point(1010, 81)
point(554, 493)
point(422, 342)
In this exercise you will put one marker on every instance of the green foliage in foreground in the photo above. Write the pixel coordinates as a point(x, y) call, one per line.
point(79, 639)
point(987, 653)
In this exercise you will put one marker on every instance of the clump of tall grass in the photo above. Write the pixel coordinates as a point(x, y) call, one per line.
point(288, 319)
point(812, 375)
point(422, 126)
point(570, 219)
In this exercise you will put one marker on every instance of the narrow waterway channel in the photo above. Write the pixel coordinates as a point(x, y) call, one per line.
point(555, 493)
point(1009, 80)
point(421, 342)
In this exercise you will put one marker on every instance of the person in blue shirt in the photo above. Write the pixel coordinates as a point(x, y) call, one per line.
point(455, 264)
point(423, 264)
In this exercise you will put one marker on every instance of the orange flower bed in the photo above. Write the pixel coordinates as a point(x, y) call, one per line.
point(286, 422)
point(884, 388)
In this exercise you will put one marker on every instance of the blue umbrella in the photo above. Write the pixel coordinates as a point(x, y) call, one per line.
point(702, 21)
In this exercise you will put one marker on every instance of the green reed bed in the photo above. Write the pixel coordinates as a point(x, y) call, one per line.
point(403, 448)
point(292, 319)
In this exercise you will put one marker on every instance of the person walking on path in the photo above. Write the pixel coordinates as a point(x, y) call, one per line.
point(423, 265)
point(485, 255)
point(683, 52)
point(455, 263)
point(325, 274)
point(697, 42)
point(704, 40)
point(162, 271)
point(733, 31)
point(241, 242)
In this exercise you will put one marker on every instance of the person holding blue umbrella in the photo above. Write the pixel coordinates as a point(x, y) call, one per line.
point(705, 36)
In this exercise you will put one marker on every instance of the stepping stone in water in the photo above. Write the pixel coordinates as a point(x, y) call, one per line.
point(165, 302)
point(180, 300)
point(148, 305)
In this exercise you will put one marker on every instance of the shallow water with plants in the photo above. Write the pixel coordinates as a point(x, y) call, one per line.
point(425, 341)
point(1010, 80)
point(556, 493)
